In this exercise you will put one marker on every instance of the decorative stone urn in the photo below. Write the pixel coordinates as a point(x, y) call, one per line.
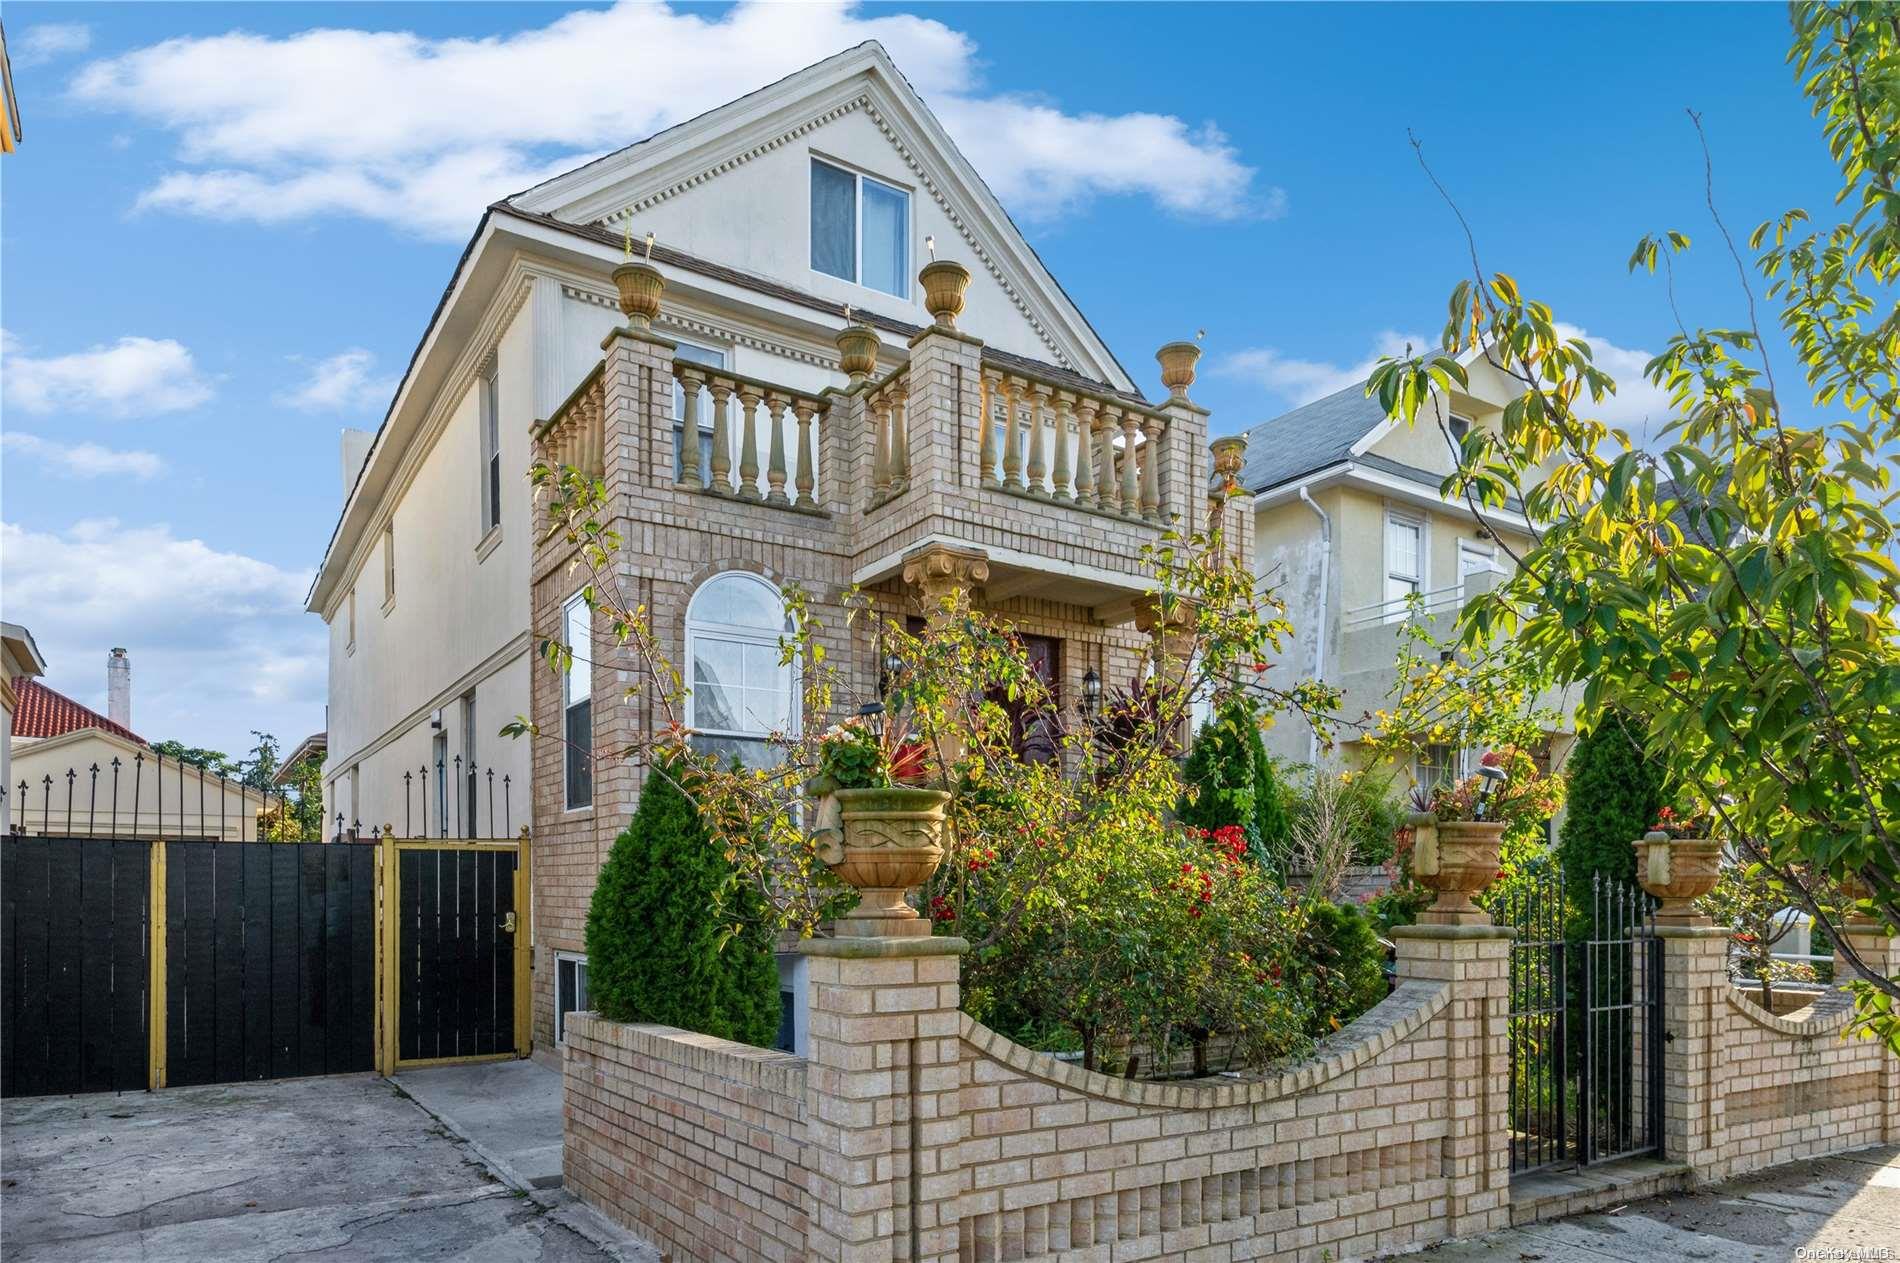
point(640, 287)
point(857, 351)
point(1677, 871)
point(1230, 453)
point(944, 281)
point(893, 842)
point(1177, 366)
point(1456, 859)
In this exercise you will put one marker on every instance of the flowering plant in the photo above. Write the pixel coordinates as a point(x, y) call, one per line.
point(850, 756)
point(1682, 822)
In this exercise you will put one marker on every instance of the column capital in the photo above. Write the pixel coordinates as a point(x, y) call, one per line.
point(945, 572)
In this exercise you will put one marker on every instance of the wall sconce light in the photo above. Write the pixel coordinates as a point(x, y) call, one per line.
point(1091, 693)
point(888, 670)
point(873, 714)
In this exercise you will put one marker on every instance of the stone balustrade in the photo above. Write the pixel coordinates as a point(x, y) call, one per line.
point(576, 435)
point(736, 403)
point(886, 408)
point(1056, 442)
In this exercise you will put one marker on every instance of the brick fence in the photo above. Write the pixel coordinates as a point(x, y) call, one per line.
point(912, 1132)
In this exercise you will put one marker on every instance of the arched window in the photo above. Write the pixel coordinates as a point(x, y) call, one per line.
point(741, 694)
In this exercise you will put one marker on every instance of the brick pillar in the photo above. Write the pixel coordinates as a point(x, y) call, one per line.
point(946, 409)
point(882, 1099)
point(1694, 978)
point(1476, 961)
point(1880, 952)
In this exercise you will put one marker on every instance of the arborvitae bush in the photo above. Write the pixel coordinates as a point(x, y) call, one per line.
point(1269, 805)
point(657, 931)
point(1615, 792)
point(1220, 767)
point(1347, 962)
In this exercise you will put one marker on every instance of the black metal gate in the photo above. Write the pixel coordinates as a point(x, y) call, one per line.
point(457, 968)
point(1585, 1020)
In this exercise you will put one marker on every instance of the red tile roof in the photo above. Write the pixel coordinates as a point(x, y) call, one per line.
point(44, 713)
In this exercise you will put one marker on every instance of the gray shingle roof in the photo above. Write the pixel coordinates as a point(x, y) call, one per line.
point(1310, 437)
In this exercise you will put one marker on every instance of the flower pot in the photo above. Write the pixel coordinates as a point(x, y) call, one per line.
point(640, 287)
point(893, 842)
point(1677, 871)
point(857, 351)
point(944, 282)
point(1177, 366)
point(1456, 859)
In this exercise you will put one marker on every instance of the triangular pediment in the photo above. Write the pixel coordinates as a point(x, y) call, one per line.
point(732, 187)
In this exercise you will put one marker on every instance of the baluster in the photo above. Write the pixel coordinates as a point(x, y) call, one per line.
point(1064, 402)
point(1085, 411)
point(721, 438)
point(691, 379)
point(1131, 492)
point(900, 440)
point(1151, 471)
point(775, 406)
point(806, 461)
point(986, 452)
point(1038, 467)
point(1105, 460)
point(1012, 446)
point(881, 448)
point(749, 444)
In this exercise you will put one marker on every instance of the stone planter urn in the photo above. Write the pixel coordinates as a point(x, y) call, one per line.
point(944, 281)
point(892, 843)
point(1677, 871)
point(1456, 859)
point(640, 287)
point(1177, 366)
point(857, 351)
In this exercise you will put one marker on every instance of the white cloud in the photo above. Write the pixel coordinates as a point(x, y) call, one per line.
point(132, 377)
point(219, 641)
point(1638, 406)
point(346, 382)
point(49, 41)
point(1295, 381)
point(423, 133)
point(84, 460)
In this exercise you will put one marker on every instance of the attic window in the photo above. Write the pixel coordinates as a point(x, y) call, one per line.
point(860, 229)
point(1460, 426)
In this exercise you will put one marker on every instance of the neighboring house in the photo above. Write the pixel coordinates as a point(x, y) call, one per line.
point(79, 773)
point(314, 746)
point(20, 661)
point(1349, 523)
point(772, 216)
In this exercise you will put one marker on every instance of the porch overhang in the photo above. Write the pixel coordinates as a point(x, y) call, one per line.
point(1111, 596)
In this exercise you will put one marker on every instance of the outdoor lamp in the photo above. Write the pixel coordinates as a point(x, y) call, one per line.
point(891, 667)
point(1492, 777)
point(1091, 692)
point(873, 714)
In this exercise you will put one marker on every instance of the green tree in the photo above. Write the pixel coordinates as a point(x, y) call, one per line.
point(1731, 585)
point(1621, 787)
point(1347, 965)
point(215, 762)
point(1269, 804)
point(1220, 772)
point(671, 936)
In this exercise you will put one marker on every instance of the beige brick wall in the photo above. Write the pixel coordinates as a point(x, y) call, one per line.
point(695, 1143)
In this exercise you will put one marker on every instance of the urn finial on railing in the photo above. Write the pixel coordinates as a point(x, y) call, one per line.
point(1177, 366)
point(944, 282)
point(1456, 859)
point(1678, 871)
point(640, 285)
point(857, 350)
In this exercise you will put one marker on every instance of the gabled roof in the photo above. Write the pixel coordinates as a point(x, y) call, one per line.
point(44, 712)
point(1311, 437)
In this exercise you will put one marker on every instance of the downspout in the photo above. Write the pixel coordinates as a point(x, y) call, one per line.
point(1323, 631)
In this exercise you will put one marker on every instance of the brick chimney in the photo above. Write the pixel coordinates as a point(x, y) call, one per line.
point(119, 688)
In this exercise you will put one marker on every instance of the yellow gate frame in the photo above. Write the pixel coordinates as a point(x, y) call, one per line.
point(388, 937)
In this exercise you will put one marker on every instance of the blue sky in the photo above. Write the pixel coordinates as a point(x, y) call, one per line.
point(228, 224)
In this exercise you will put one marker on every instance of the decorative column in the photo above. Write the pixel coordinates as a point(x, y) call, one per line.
point(945, 577)
point(1169, 625)
point(1085, 423)
point(1151, 469)
point(722, 438)
point(986, 450)
point(1181, 470)
point(1679, 871)
point(1131, 490)
point(1012, 446)
point(691, 379)
point(900, 441)
point(775, 406)
point(749, 400)
point(1064, 402)
point(880, 413)
point(1038, 466)
point(807, 459)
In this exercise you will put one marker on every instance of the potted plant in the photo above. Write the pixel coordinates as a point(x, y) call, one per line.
point(1456, 833)
point(887, 834)
point(1678, 862)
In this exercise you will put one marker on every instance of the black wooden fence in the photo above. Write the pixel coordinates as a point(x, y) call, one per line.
point(270, 960)
point(74, 967)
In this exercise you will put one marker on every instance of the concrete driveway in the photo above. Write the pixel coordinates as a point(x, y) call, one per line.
point(339, 1168)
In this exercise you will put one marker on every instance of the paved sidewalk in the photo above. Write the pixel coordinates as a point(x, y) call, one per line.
point(1848, 1204)
point(342, 1168)
point(510, 1111)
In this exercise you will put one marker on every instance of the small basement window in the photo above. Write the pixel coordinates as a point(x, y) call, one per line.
point(570, 990)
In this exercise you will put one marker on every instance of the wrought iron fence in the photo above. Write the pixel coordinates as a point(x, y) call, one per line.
point(465, 799)
point(149, 796)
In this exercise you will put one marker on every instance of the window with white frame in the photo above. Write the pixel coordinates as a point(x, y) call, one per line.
point(860, 229)
point(577, 711)
point(742, 693)
point(1459, 427)
point(1438, 765)
point(1475, 559)
point(714, 358)
point(1404, 561)
point(570, 990)
point(491, 452)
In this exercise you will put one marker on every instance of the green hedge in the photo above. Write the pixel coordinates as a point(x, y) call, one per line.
point(1347, 962)
point(660, 944)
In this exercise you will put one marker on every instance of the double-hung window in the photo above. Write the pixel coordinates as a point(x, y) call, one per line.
point(860, 229)
point(1404, 562)
point(491, 452)
point(742, 693)
point(577, 712)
